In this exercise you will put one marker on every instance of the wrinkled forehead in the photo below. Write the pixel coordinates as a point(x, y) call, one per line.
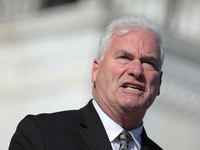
point(139, 37)
point(138, 43)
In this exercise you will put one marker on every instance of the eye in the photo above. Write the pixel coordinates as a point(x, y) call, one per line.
point(123, 57)
point(150, 64)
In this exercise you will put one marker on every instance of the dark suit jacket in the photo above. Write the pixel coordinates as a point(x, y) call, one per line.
point(69, 130)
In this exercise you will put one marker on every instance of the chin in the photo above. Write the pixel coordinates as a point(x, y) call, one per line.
point(132, 104)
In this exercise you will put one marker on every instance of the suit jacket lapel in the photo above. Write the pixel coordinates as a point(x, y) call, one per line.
point(92, 130)
point(147, 143)
point(144, 140)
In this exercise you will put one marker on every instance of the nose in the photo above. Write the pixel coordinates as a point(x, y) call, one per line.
point(135, 69)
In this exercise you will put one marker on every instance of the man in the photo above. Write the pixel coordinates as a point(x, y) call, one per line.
point(127, 78)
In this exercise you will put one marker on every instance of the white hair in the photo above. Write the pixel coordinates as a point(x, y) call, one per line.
point(124, 25)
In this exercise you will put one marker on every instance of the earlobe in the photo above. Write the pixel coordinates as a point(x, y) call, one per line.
point(95, 69)
point(160, 82)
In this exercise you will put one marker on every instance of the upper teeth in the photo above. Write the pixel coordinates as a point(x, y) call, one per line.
point(132, 87)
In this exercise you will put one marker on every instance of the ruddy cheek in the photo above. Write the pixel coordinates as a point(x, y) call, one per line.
point(152, 78)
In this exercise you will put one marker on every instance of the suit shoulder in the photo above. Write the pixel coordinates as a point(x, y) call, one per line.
point(57, 117)
point(154, 145)
point(50, 120)
point(61, 114)
point(35, 131)
point(147, 143)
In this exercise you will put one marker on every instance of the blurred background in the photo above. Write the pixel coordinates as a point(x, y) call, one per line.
point(47, 49)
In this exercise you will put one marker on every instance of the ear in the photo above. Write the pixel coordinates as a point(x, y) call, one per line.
point(160, 81)
point(95, 69)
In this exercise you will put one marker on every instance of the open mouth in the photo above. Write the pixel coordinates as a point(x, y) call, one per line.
point(132, 87)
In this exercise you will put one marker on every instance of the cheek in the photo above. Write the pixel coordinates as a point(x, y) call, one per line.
point(105, 77)
point(111, 75)
point(152, 82)
point(155, 86)
point(116, 73)
point(152, 79)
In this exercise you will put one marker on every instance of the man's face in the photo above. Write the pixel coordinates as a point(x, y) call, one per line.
point(129, 76)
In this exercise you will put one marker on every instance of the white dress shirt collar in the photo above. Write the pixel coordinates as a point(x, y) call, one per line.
point(113, 129)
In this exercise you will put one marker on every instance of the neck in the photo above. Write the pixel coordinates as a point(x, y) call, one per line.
point(126, 118)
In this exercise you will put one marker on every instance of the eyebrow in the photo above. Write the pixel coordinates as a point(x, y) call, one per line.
point(150, 58)
point(125, 52)
point(143, 57)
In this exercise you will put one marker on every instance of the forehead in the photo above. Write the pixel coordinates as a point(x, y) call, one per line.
point(139, 39)
point(137, 42)
point(136, 39)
